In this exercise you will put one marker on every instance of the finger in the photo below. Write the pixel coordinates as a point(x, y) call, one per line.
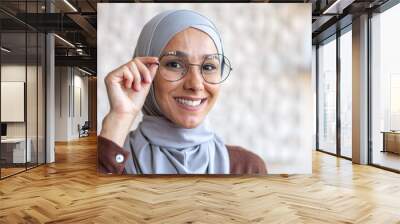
point(115, 76)
point(153, 70)
point(148, 60)
point(144, 71)
point(127, 77)
point(136, 76)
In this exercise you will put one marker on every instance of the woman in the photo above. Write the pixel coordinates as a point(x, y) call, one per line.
point(174, 78)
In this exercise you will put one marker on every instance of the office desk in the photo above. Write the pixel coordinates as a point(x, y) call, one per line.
point(391, 141)
point(13, 150)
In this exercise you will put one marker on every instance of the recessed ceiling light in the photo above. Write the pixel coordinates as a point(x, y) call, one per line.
point(70, 5)
point(5, 50)
point(64, 40)
point(337, 7)
point(84, 71)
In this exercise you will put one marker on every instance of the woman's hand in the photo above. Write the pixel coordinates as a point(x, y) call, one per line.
point(127, 88)
point(128, 85)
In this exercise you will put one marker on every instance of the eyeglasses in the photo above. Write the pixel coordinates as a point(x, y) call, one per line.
point(214, 69)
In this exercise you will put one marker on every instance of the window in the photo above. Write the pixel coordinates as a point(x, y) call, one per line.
point(385, 89)
point(346, 94)
point(327, 97)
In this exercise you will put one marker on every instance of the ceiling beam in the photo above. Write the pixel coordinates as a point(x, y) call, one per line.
point(82, 61)
point(85, 25)
point(337, 7)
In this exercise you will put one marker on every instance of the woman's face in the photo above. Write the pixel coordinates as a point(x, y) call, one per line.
point(179, 100)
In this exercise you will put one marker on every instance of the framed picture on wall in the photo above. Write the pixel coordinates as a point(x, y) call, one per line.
point(12, 101)
point(185, 89)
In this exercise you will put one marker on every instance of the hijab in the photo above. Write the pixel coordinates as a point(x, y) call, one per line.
point(159, 146)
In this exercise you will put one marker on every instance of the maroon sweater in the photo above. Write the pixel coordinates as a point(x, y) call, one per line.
point(241, 160)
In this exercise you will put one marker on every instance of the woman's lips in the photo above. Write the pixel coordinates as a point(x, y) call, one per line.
point(190, 103)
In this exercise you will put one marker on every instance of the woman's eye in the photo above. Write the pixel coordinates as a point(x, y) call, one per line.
point(174, 64)
point(209, 67)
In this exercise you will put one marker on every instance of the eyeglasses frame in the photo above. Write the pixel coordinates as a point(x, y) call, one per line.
point(174, 53)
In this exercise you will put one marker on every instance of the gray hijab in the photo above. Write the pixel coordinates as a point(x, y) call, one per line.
point(158, 146)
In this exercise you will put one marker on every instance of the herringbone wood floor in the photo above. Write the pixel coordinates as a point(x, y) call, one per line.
point(70, 191)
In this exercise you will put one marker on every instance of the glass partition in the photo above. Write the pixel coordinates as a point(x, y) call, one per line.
point(41, 110)
point(32, 100)
point(31, 97)
point(22, 88)
point(13, 94)
point(327, 96)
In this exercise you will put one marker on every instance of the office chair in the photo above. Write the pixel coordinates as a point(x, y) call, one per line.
point(84, 130)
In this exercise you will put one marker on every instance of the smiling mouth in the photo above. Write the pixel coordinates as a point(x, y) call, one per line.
point(189, 102)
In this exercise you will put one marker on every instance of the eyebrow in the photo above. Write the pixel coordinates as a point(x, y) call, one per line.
point(182, 54)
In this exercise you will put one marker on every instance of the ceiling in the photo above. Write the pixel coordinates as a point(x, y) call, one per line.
point(76, 21)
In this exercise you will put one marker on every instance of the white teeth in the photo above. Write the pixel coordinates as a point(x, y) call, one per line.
point(191, 103)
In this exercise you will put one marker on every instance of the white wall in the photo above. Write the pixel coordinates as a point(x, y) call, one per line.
point(79, 117)
point(17, 73)
point(62, 81)
point(69, 82)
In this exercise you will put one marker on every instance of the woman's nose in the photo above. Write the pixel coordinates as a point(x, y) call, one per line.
point(193, 79)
